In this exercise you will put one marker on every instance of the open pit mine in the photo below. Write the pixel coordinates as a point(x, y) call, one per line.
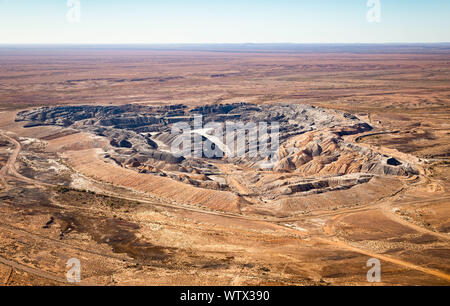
point(313, 155)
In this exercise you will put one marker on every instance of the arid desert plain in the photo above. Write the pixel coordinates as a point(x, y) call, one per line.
point(362, 168)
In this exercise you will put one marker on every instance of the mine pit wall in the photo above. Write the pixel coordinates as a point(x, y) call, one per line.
point(331, 183)
point(88, 163)
point(360, 194)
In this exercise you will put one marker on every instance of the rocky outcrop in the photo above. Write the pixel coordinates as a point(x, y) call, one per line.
point(121, 143)
point(325, 152)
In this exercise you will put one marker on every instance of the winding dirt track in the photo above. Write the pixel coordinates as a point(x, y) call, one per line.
point(33, 271)
point(392, 216)
point(9, 171)
point(390, 259)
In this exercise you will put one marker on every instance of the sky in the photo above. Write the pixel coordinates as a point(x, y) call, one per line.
point(224, 21)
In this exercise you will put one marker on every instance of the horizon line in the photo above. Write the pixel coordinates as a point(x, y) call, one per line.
point(235, 43)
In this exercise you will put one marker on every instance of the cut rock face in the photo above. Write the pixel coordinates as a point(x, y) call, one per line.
point(324, 152)
point(312, 147)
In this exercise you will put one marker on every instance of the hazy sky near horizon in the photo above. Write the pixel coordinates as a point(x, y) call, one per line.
point(225, 21)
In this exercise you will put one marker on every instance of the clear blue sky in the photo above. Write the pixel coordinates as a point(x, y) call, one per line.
point(224, 21)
